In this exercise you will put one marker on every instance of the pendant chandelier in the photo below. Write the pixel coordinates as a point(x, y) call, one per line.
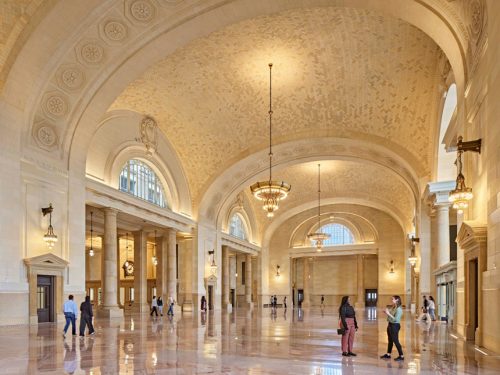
point(91, 250)
point(50, 237)
point(319, 236)
point(461, 196)
point(270, 192)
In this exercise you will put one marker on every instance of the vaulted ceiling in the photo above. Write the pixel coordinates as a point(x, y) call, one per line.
point(339, 72)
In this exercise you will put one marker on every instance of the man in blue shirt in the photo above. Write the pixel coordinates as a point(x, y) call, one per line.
point(70, 311)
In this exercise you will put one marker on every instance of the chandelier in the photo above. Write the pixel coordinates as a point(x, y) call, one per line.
point(461, 196)
point(50, 237)
point(319, 236)
point(412, 259)
point(91, 250)
point(270, 192)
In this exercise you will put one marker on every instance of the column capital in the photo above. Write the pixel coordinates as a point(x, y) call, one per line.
point(110, 211)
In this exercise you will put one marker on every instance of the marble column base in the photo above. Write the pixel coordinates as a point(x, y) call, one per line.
point(110, 312)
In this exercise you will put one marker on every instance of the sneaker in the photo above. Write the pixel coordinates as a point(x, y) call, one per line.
point(64, 334)
point(93, 333)
point(385, 356)
point(352, 354)
point(399, 359)
point(345, 354)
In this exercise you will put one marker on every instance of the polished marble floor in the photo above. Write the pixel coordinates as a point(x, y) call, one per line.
point(243, 342)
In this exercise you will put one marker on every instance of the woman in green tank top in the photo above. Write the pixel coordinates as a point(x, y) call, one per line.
point(394, 315)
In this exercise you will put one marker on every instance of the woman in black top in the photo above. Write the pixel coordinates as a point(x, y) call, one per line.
point(86, 319)
point(349, 323)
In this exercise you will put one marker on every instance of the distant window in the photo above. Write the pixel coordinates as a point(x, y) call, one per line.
point(139, 180)
point(339, 235)
point(237, 227)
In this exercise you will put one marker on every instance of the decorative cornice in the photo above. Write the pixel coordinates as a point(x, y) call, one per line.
point(240, 245)
point(472, 234)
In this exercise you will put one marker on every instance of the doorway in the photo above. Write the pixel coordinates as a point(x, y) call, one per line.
point(300, 296)
point(232, 298)
point(45, 298)
point(210, 297)
point(371, 297)
point(473, 300)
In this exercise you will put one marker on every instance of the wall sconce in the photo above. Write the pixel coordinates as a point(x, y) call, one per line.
point(213, 265)
point(50, 238)
point(413, 258)
point(278, 271)
point(391, 269)
point(91, 250)
point(461, 196)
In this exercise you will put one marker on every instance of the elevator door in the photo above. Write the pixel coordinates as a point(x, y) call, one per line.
point(45, 298)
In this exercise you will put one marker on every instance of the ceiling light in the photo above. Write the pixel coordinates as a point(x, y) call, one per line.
point(270, 192)
point(50, 238)
point(319, 237)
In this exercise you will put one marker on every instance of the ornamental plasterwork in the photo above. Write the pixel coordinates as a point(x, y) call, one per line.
point(113, 30)
point(142, 11)
point(371, 76)
point(54, 104)
point(148, 135)
point(90, 52)
point(45, 135)
point(70, 77)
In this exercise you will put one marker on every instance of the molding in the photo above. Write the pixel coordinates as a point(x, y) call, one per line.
point(239, 245)
point(105, 196)
point(451, 266)
point(472, 234)
point(356, 249)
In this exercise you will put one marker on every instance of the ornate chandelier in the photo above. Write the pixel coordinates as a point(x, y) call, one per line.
point(270, 192)
point(319, 236)
point(91, 250)
point(461, 196)
point(50, 237)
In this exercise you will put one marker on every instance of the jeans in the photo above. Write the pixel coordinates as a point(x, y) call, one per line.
point(70, 318)
point(393, 337)
point(170, 309)
point(432, 314)
point(348, 336)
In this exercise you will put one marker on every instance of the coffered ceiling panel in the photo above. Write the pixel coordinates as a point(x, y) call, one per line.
point(337, 71)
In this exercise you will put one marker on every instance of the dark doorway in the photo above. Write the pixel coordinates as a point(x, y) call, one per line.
point(473, 300)
point(371, 296)
point(45, 298)
point(231, 298)
point(300, 296)
point(210, 297)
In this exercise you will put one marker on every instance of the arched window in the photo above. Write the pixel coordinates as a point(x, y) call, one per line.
point(237, 227)
point(339, 235)
point(138, 179)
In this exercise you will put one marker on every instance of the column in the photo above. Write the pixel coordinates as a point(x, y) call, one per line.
point(248, 280)
point(162, 267)
point(424, 247)
point(171, 264)
point(307, 298)
point(187, 251)
point(361, 285)
point(109, 275)
point(443, 234)
point(140, 272)
point(225, 278)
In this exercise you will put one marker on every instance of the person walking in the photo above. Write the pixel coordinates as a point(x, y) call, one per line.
point(203, 304)
point(275, 301)
point(431, 308)
point(425, 311)
point(284, 302)
point(70, 311)
point(86, 318)
point(159, 302)
point(154, 306)
point(348, 320)
point(170, 306)
point(394, 318)
point(322, 300)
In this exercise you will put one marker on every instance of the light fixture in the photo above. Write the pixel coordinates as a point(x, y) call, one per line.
point(128, 266)
point(412, 259)
point(213, 265)
point(391, 269)
point(50, 238)
point(278, 274)
point(155, 259)
point(91, 250)
point(270, 192)
point(461, 196)
point(319, 236)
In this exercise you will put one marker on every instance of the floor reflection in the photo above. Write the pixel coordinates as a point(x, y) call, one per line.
point(291, 341)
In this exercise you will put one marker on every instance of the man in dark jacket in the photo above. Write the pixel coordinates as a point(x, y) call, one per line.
point(86, 318)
